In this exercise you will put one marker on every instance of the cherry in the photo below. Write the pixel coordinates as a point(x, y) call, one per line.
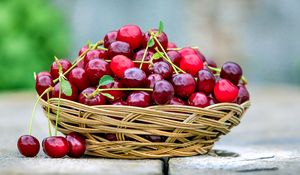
point(198, 99)
point(65, 64)
point(77, 145)
point(131, 34)
point(120, 102)
point(44, 73)
point(163, 92)
point(163, 68)
point(78, 77)
point(109, 38)
point(119, 64)
point(184, 85)
point(55, 146)
point(73, 97)
point(84, 48)
point(139, 99)
point(95, 69)
point(152, 79)
point(138, 56)
point(28, 145)
point(171, 45)
point(225, 91)
point(232, 72)
point(190, 51)
point(191, 64)
point(134, 78)
point(243, 94)
point(206, 81)
point(162, 38)
point(42, 82)
point(117, 94)
point(211, 63)
point(119, 48)
point(84, 98)
point(92, 54)
point(174, 56)
point(177, 101)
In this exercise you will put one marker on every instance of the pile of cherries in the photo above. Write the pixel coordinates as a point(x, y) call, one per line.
point(135, 69)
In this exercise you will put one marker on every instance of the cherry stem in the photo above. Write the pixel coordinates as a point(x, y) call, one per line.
point(48, 114)
point(179, 48)
point(34, 109)
point(145, 52)
point(80, 58)
point(218, 70)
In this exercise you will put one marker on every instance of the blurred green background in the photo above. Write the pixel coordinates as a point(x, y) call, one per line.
point(261, 35)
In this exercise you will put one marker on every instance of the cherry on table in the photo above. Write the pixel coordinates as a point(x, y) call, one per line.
point(139, 99)
point(177, 101)
point(42, 82)
point(109, 38)
point(55, 146)
point(198, 99)
point(191, 64)
point(65, 64)
point(243, 94)
point(205, 81)
point(152, 79)
point(78, 77)
point(138, 56)
point(28, 145)
point(134, 78)
point(119, 48)
point(95, 69)
point(162, 38)
point(117, 94)
point(163, 92)
point(163, 68)
point(184, 85)
point(73, 97)
point(131, 34)
point(77, 145)
point(225, 91)
point(119, 64)
point(232, 72)
point(175, 57)
point(85, 98)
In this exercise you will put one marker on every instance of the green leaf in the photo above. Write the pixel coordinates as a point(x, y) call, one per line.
point(150, 42)
point(157, 55)
point(108, 95)
point(106, 79)
point(160, 27)
point(66, 87)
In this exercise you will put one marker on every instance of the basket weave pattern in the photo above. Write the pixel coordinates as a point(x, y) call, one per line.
point(187, 130)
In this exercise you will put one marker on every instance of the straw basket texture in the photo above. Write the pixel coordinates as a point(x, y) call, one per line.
point(186, 130)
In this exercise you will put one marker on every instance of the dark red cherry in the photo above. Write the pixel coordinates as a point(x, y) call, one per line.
point(93, 54)
point(117, 94)
point(191, 64)
point(119, 48)
point(163, 68)
point(152, 79)
point(78, 77)
point(139, 99)
point(211, 63)
point(95, 69)
point(138, 56)
point(43, 82)
point(232, 72)
point(175, 57)
point(134, 78)
point(171, 45)
point(85, 98)
point(206, 81)
point(177, 101)
point(119, 64)
point(243, 95)
point(28, 145)
point(131, 34)
point(109, 38)
point(65, 64)
point(162, 38)
point(163, 92)
point(184, 85)
point(55, 146)
point(198, 99)
point(120, 102)
point(225, 91)
point(73, 97)
point(77, 145)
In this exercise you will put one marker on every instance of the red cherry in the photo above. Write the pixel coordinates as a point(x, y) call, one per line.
point(190, 51)
point(119, 64)
point(93, 54)
point(95, 69)
point(163, 92)
point(44, 73)
point(243, 94)
point(184, 85)
point(84, 98)
point(171, 45)
point(225, 91)
point(84, 48)
point(175, 57)
point(198, 99)
point(162, 38)
point(139, 99)
point(119, 48)
point(134, 78)
point(55, 146)
point(73, 97)
point(177, 101)
point(131, 34)
point(163, 68)
point(42, 82)
point(109, 38)
point(77, 145)
point(117, 94)
point(191, 64)
point(28, 145)
point(65, 64)
point(138, 57)
point(120, 102)
point(78, 77)
point(206, 81)
point(232, 72)
point(152, 79)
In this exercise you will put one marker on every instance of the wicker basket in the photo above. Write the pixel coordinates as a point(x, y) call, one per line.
point(187, 130)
